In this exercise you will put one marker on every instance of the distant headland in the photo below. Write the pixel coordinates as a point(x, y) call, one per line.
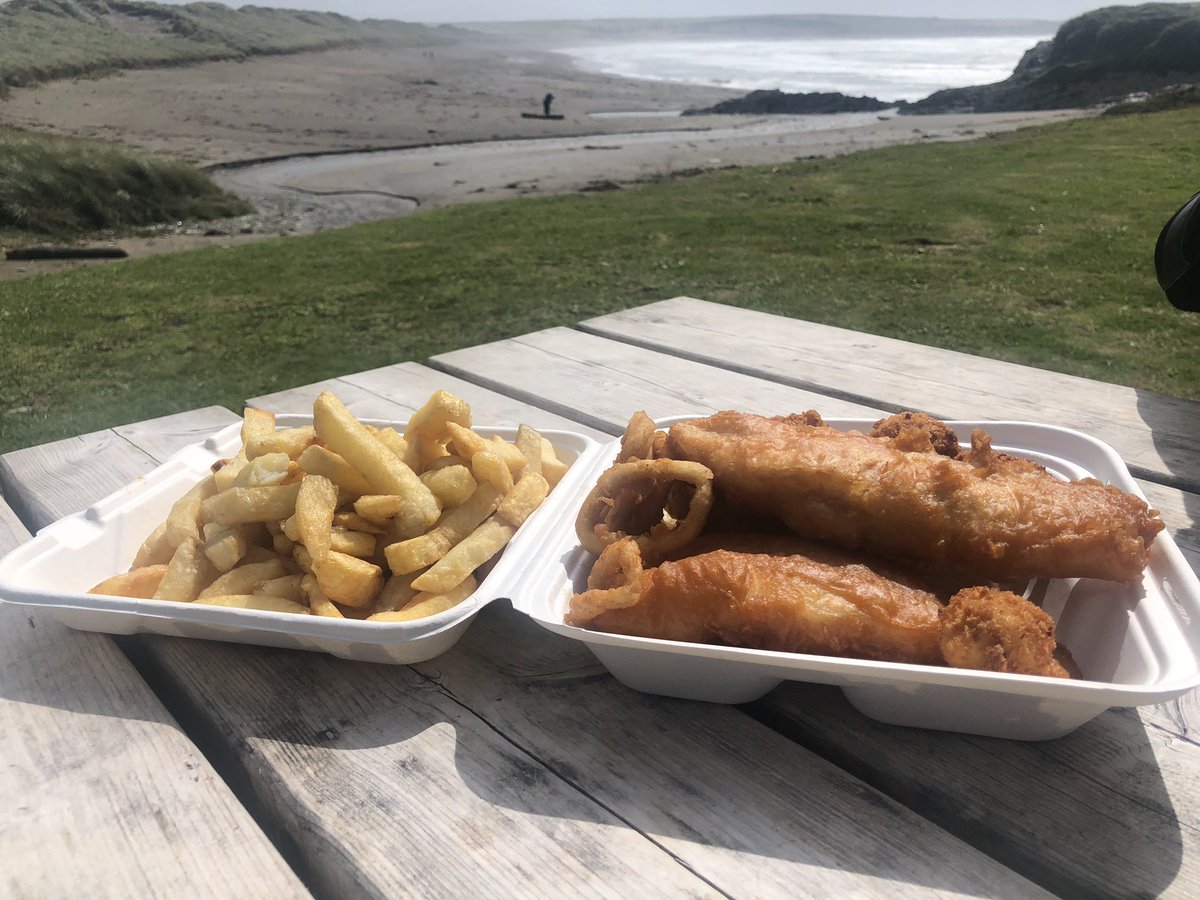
point(1098, 58)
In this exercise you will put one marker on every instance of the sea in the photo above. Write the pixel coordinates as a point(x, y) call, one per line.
point(888, 69)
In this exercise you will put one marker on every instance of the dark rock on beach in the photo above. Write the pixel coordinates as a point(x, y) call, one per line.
point(777, 102)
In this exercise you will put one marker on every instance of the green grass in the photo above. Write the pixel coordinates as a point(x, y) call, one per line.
point(1035, 247)
point(62, 187)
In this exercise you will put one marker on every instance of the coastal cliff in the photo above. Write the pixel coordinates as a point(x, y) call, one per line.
point(1098, 57)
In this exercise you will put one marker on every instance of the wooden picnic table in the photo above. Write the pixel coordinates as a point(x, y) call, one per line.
point(514, 765)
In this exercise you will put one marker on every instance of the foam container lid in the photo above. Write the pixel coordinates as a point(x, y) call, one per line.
point(1135, 644)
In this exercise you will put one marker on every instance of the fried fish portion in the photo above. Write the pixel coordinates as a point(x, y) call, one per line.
point(797, 597)
point(982, 513)
point(767, 601)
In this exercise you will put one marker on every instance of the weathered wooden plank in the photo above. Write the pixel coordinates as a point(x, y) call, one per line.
point(363, 403)
point(391, 786)
point(407, 381)
point(916, 767)
point(1181, 511)
point(58, 476)
point(12, 532)
point(398, 390)
point(553, 367)
point(570, 783)
point(41, 483)
point(1154, 433)
point(104, 795)
point(1107, 811)
point(162, 437)
point(610, 379)
point(759, 801)
point(356, 761)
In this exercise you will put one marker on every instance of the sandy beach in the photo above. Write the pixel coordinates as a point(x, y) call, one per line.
point(361, 99)
point(440, 103)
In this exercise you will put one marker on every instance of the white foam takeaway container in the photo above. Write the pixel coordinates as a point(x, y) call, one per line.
point(55, 569)
point(1135, 644)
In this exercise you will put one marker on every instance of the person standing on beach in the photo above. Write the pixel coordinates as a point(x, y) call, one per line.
point(546, 101)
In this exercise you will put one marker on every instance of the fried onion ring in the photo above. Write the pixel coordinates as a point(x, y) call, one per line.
point(616, 582)
point(630, 500)
point(638, 440)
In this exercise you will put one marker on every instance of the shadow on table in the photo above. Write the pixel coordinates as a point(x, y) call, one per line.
point(527, 722)
point(1172, 424)
point(1086, 815)
point(536, 726)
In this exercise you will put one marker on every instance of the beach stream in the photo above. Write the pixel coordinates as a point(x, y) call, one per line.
point(312, 193)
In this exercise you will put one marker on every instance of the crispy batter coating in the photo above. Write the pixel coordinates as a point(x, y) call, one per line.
point(810, 534)
point(998, 631)
point(917, 432)
point(637, 442)
point(987, 515)
point(775, 592)
point(789, 602)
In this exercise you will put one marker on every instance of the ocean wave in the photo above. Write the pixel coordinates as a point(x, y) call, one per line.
point(887, 68)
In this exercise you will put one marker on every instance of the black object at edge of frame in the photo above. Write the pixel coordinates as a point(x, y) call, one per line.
point(1177, 256)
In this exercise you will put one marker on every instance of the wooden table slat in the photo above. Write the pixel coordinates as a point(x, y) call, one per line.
point(1154, 433)
point(398, 390)
point(46, 482)
point(104, 795)
point(603, 382)
point(1109, 810)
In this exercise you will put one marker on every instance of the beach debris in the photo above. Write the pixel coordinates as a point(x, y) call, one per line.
point(65, 252)
point(601, 184)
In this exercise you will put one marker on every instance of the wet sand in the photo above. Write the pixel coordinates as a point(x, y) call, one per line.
point(311, 193)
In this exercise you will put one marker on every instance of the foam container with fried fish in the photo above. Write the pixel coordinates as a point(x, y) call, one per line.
point(1015, 588)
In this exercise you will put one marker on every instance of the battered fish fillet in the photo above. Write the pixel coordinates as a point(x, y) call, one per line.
point(985, 514)
point(789, 603)
point(786, 601)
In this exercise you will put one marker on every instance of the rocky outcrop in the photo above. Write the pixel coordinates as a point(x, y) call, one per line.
point(779, 103)
point(1094, 59)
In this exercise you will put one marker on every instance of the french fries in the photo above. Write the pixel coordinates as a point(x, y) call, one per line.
point(141, 582)
point(383, 470)
point(345, 520)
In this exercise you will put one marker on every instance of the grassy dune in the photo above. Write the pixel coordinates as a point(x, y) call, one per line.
point(62, 187)
point(1035, 247)
point(46, 39)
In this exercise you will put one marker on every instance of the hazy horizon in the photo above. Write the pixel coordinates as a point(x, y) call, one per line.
point(452, 11)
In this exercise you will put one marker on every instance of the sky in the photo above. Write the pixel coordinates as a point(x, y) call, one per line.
point(432, 11)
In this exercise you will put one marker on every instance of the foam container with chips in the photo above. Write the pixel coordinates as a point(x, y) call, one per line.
point(1135, 644)
point(55, 569)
